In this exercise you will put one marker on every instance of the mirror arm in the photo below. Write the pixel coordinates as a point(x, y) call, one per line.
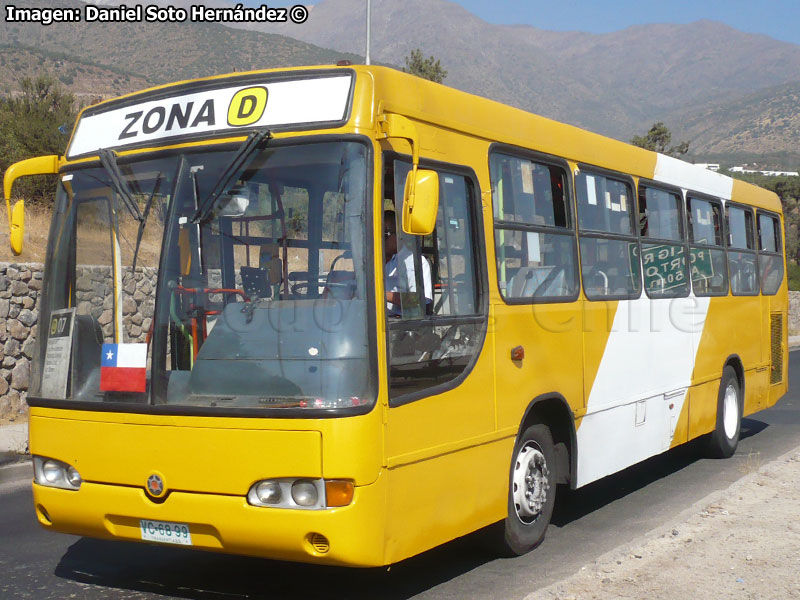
point(397, 126)
point(41, 165)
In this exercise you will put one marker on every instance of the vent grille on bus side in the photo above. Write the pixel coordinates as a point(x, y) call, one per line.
point(776, 334)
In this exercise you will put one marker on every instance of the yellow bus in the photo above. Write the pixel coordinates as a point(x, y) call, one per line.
point(343, 315)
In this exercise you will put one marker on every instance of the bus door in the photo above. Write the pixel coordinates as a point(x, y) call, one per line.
point(440, 383)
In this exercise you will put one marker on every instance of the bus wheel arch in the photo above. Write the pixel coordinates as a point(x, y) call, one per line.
point(553, 411)
point(735, 363)
point(723, 440)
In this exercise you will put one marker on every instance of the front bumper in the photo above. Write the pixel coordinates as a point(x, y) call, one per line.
point(222, 523)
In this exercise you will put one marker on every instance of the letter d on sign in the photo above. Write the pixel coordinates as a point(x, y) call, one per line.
point(247, 106)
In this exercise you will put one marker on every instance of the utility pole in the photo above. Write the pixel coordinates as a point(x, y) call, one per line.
point(369, 10)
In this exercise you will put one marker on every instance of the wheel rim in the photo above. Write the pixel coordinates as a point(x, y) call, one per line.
point(730, 409)
point(529, 482)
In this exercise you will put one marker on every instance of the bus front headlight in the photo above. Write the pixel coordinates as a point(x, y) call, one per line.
point(299, 493)
point(304, 493)
point(54, 473)
point(269, 492)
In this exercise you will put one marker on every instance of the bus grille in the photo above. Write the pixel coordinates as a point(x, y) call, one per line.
point(776, 346)
point(320, 543)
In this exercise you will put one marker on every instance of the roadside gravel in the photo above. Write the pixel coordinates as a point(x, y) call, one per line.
point(742, 542)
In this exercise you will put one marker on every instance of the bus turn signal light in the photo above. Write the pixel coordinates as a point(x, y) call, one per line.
point(338, 493)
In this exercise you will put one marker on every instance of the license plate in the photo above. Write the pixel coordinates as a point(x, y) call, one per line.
point(165, 532)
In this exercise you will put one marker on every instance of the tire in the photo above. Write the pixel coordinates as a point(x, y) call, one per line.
point(723, 440)
point(526, 524)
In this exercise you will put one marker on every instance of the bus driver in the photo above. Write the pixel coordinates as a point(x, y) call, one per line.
point(399, 276)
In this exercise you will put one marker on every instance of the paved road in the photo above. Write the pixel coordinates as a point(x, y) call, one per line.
point(587, 523)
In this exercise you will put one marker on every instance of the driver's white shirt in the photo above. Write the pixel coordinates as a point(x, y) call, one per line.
point(399, 276)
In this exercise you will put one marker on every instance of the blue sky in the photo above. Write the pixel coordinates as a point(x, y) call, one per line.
point(779, 19)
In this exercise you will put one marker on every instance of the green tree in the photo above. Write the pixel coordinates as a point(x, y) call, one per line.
point(658, 139)
point(35, 122)
point(427, 68)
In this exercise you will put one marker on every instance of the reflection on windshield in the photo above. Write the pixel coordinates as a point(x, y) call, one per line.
point(262, 303)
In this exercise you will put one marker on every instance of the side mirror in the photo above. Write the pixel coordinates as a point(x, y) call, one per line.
point(41, 165)
point(420, 202)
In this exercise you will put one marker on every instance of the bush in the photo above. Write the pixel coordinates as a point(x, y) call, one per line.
point(29, 126)
point(793, 276)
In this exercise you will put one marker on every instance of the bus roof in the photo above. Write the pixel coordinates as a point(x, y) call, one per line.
point(443, 106)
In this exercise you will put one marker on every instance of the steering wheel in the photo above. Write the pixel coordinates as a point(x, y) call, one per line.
point(551, 276)
point(342, 290)
point(300, 285)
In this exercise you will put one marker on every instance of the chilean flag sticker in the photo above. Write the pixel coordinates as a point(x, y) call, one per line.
point(123, 368)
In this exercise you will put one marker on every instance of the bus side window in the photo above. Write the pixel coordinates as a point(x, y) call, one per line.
point(742, 262)
point(610, 264)
point(706, 247)
point(433, 345)
point(770, 258)
point(534, 235)
point(663, 250)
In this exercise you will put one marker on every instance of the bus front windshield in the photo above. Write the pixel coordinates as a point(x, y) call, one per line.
point(258, 298)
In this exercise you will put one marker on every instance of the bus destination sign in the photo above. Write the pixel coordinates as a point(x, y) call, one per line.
point(315, 100)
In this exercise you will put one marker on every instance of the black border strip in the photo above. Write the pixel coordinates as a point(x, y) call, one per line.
point(199, 411)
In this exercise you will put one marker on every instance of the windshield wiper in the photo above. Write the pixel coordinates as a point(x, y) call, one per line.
point(237, 165)
point(143, 222)
point(108, 158)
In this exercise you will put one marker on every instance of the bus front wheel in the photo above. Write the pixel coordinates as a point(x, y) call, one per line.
point(532, 491)
point(723, 440)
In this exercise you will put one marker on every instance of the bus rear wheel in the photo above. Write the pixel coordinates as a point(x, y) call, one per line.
point(723, 440)
point(532, 491)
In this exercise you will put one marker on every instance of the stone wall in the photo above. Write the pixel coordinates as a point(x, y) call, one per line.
point(794, 313)
point(94, 297)
point(20, 290)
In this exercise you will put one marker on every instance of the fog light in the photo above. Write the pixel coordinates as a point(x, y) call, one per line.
point(52, 471)
point(304, 493)
point(269, 492)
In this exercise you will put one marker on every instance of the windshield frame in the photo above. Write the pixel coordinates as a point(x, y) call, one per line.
point(158, 344)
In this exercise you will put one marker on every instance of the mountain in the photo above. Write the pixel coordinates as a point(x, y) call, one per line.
point(162, 52)
point(726, 91)
point(85, 79)
point(766, 123)
point(617, 83)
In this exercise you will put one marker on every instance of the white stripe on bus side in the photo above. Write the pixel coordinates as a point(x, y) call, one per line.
point(650, 352)
point(688, 176)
